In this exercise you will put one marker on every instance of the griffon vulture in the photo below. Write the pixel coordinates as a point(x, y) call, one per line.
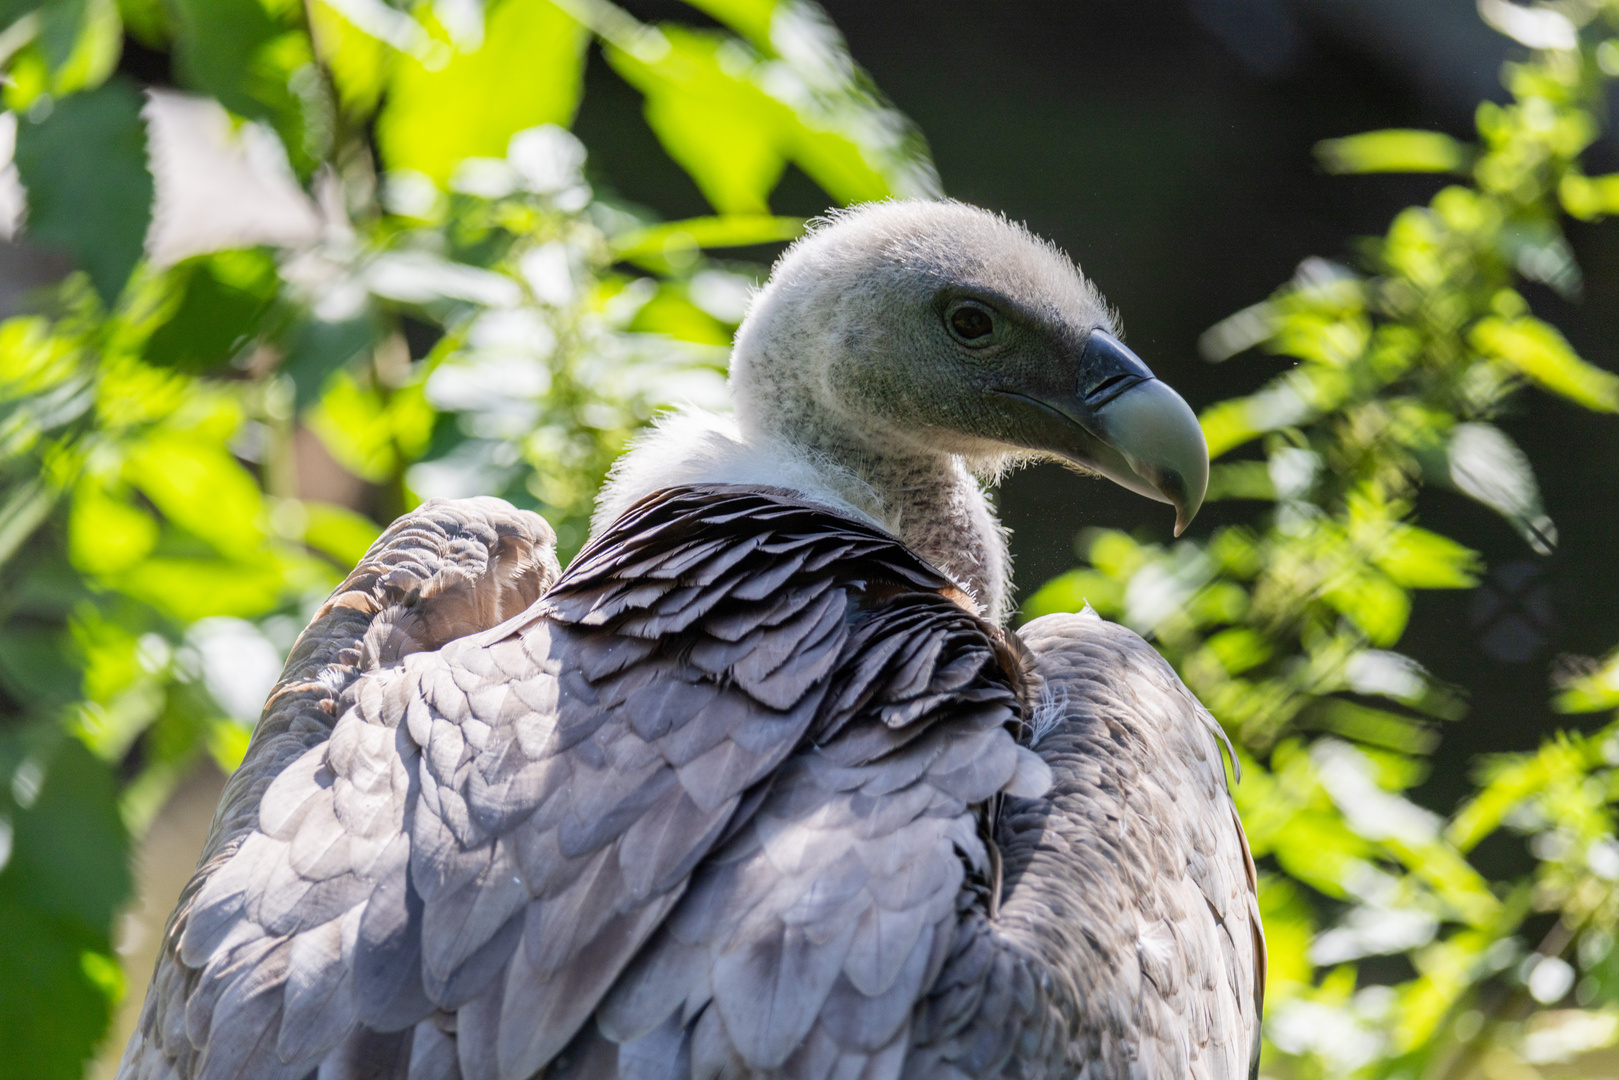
point(759, 787)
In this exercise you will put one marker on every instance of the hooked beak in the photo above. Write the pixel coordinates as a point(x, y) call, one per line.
point(1118, 419)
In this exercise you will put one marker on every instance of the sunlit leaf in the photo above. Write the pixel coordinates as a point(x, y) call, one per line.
point(750, 18)
point(89, 191)
point(1542, 355)
point(733, 137)
point(147, 21)
point(1508, 782)
point(1115, 553)
point(670, 313)
point(1393, 150)
point(1591, 691)
point(369, 434)
point(78, 43)
point(807, 66)
point(1293, 399)
point(1416, 558)
point(1073, 591)
point(1289, 925)
point(227, 744)
point(1218, 602)
point(191, 589)
point(107, 534)
point(460, 103)
point(1589, 197)
point(1373, 603)
point(358, 61)
point(1375, 727)
point(1238, 649)
point(201, 488)
point(656, 245)
point(122, 696)
point(339, 532)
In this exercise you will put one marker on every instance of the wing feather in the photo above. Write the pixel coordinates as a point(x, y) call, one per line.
point(1130, 882)
point(720, 789)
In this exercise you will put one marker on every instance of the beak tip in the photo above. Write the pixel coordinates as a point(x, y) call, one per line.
point(1185, 511)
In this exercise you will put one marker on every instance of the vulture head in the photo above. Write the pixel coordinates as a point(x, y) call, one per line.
point(903, 352)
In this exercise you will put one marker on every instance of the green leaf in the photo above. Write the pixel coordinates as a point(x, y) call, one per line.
point(369, 435)
point(227, 744)
point(1289, 928)
point(706, 104)
point(1373, 603)
point(1589, 197)
point(750, 18)
point(34, 668)
point(659, 247)
point(1541, 354)
point(79, 41)
point(201, 488)
point(527, 71)
point(1393, 150)
point(1241, 480)
point(12, 10)
point(358, 62)
point(25, 509)
point(224, 299)
point(1376, 727)
point(1073, 591)
point(106, 535)
point(191, 589)
point(89, 191)
point(671, 314)
point(339, 532)
point(1592, 690)
point(1240, 649)
point(730, 136)
point(317, 349)
point(147, 21)
point(67, 874)
point(1418, 559)
point(1295, 398)
point(217, 43)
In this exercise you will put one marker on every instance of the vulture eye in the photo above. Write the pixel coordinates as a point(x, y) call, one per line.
point(972, 324)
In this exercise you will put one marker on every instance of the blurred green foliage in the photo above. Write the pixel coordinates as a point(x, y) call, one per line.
point(156, 555)
point(158, 548)
point(1284, 625)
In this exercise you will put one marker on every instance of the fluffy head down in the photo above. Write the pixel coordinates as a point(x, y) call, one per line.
point(847, 343)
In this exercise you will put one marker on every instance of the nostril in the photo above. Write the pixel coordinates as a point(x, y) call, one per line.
point(1110, 388)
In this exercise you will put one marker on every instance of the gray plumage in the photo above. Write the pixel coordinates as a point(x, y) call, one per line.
point(754, 789)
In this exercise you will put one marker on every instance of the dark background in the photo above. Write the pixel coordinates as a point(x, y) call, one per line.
point(1166, 144)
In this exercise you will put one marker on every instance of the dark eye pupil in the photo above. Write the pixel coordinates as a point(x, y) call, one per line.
point(971, 322)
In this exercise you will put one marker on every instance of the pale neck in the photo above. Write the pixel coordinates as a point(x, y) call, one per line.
point(929, 500)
